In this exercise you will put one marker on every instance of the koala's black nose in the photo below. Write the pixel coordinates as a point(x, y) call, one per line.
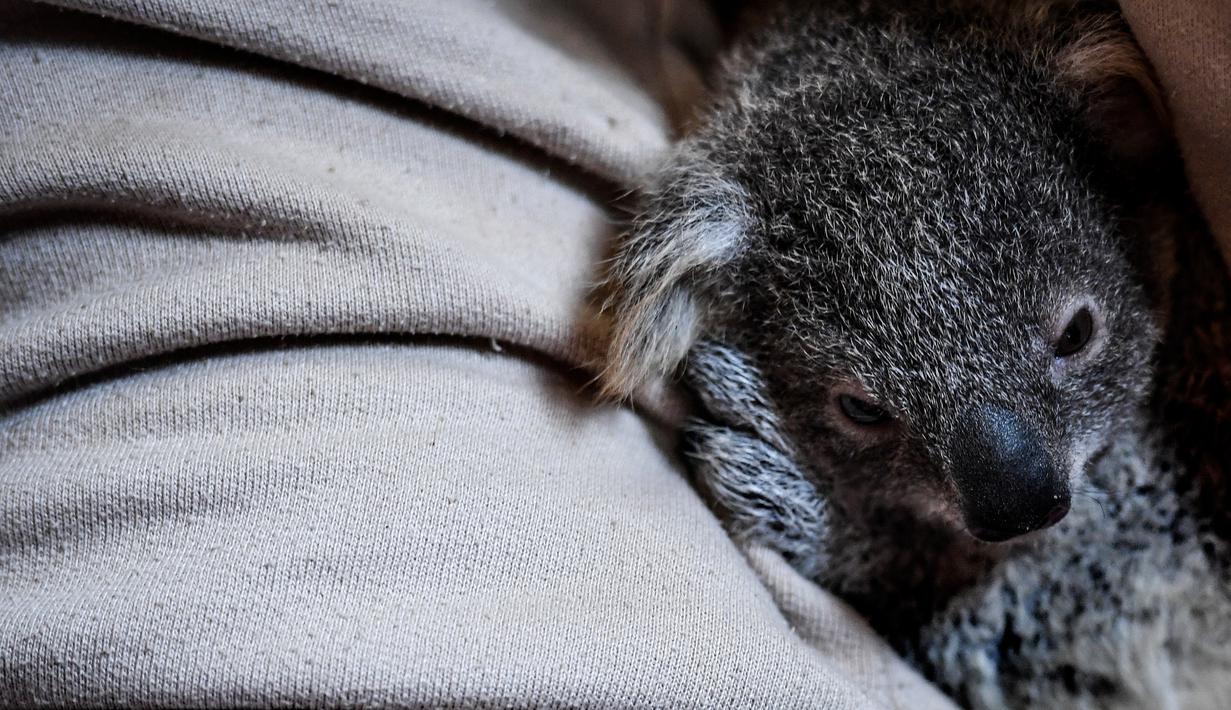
point(1004, 476)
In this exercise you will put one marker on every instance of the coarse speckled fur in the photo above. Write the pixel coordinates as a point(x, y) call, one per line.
point(906, 201)
point(1124, 604)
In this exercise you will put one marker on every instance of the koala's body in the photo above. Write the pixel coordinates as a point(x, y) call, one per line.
point(927, 250)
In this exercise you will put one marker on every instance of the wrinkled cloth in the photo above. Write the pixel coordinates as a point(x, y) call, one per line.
point(1189, 45)
point(293, 302)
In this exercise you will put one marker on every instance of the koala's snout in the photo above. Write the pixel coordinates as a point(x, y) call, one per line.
point(1004, 476)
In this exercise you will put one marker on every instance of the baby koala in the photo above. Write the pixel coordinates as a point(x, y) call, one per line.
point(921, 255)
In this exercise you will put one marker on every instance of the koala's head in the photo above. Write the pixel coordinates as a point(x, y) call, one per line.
point(918, 231)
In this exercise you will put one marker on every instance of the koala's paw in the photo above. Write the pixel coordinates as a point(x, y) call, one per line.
point(740, 457)
point(732, 391)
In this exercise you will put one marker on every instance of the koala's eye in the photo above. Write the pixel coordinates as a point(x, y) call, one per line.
point(1076, 334)
point(861, 411)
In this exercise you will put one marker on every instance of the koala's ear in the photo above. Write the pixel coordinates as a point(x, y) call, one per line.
point(661, 280)
point(1123, 104)
point(1125, 111)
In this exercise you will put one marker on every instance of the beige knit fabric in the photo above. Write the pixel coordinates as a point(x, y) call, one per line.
point(291, 295)
point(1189, 44)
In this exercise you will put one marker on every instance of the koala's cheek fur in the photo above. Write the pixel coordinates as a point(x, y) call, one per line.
point(868, 477)
point(1097, 405)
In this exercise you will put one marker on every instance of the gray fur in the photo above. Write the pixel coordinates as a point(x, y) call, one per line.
point(746, 464)
point(906, 200)
point(1124, 604)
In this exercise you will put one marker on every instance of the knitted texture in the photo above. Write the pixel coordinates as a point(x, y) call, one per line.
point(1189, 44)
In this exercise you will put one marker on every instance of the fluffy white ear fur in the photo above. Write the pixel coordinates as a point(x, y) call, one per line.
point(694, 225)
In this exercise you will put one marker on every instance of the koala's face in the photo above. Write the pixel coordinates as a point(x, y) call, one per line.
point(916, 230)
point(970, 374)
point(940, 293)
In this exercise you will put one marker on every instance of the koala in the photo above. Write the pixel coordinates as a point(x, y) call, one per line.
point(918, 263)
